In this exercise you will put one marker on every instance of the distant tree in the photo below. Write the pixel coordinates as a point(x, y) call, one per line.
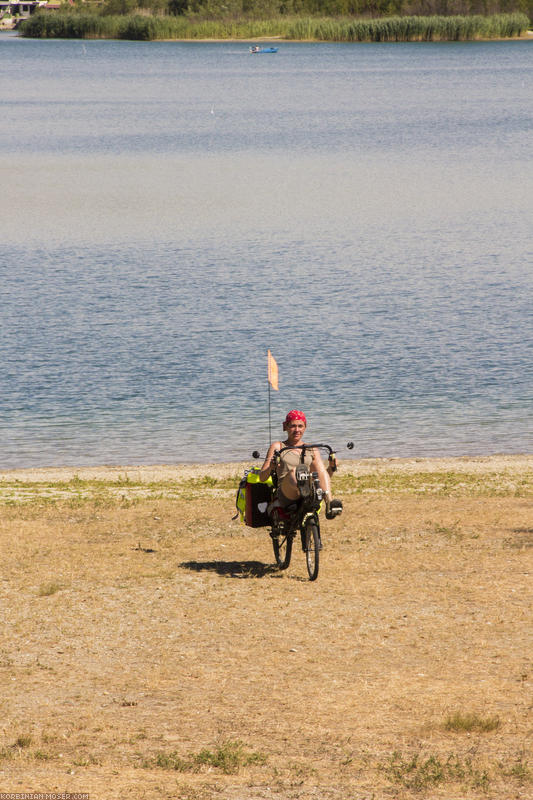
point(215, 9)
point(178, 7)
point(112, 7)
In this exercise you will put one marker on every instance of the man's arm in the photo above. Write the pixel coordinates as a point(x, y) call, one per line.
point(266, 469)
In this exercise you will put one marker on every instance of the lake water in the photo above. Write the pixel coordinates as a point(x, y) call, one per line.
point(171, 210)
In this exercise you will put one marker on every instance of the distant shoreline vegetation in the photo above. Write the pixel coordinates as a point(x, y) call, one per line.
point(149, 26)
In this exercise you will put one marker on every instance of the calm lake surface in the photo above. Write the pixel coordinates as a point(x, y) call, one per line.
point(172, 210)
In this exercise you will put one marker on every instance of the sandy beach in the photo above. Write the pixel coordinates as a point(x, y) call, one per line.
point(151, 649)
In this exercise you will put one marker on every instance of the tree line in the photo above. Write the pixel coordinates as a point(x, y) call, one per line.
point(269, 9)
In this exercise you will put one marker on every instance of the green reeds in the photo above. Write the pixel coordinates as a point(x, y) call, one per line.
point(410, 29)
point(72, 25)
point(63, 25)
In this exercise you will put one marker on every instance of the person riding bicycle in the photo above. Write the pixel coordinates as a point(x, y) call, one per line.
point(288, 491)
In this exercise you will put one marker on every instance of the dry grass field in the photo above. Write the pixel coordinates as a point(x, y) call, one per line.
point(150, 649)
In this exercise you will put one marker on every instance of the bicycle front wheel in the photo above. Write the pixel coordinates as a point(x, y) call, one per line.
point(282, 550)
point(312, 548)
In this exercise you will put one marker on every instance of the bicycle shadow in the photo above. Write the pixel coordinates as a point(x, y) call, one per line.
point(233, 569)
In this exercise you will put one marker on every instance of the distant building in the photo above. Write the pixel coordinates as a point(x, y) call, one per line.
point(12, 12)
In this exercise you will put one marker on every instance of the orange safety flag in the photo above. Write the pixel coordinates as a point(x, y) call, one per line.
point(272, 371)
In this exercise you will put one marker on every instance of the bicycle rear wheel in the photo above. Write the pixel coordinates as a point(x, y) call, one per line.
point(282, 544)
point(312, 548)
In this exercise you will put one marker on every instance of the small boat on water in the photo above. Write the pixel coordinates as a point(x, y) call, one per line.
point(258, 49)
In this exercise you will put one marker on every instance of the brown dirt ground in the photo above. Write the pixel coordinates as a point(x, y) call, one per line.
point(150, 649)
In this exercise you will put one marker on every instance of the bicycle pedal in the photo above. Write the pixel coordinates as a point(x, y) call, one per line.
point(334, 510)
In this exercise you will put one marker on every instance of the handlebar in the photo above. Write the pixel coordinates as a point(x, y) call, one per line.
point(330, 450)
point(306, 447)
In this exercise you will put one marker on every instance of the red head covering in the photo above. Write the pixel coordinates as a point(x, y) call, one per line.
point(292, 415)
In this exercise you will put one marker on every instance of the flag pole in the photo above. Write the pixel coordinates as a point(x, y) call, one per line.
point(272, 381)
point(269, 419)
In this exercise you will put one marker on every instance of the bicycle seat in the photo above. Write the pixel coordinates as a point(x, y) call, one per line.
point(285, 512)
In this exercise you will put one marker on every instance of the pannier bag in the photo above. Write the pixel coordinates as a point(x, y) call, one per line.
point(253, 497)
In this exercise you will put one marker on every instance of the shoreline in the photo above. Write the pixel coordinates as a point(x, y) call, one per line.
point(526, 36)
point(139, 473)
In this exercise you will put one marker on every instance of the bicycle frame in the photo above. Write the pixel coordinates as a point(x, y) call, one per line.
point(301, 516)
